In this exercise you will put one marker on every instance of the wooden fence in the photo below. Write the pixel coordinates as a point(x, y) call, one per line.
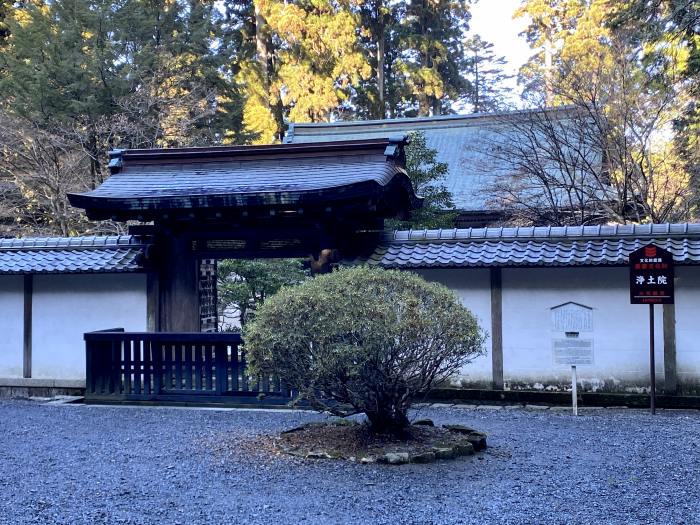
point(174, 367)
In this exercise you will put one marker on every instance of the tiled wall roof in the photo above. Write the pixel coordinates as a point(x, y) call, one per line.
point(571, 246)
point(50, 255)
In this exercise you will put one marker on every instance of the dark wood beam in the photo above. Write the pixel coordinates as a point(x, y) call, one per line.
point(152, 303)
point(178, 284)
point(27, 339)
point(670, 371)
point(496, 329)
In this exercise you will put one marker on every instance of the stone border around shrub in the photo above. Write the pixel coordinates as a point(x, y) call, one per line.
point(467, 442)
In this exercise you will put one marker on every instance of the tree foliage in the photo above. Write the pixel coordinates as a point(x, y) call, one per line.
point(243, 285)
point(612, 158)
point(368, 338)
point(92, 75)
point(668, 33)
point(427, 175)
point(484, 72)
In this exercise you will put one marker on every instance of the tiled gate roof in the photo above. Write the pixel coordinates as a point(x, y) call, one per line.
point(50, 255)
point(534, 246)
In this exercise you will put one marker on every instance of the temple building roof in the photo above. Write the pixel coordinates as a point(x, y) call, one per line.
point(463, 142)
point(164, 183)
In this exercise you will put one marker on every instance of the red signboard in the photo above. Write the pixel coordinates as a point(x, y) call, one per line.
point(651, 276)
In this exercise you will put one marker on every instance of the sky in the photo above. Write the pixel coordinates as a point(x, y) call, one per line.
point(493, 21)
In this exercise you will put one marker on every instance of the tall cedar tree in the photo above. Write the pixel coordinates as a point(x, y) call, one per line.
point(484, 71)
point(375, 96)
point(173, 57)
point(304, 63)
point(432, 58)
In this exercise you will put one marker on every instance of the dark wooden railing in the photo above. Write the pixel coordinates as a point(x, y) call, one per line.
point(174, 367)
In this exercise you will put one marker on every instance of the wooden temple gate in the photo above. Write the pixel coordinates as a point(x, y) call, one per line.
point(322, 201)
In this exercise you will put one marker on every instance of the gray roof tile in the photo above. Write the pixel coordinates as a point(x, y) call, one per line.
point(49, 255)
point(569, 246)
point(247, 176)
point(463, 142)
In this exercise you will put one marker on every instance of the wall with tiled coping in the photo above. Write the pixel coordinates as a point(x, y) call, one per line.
point(64, 307)
point(619, 331)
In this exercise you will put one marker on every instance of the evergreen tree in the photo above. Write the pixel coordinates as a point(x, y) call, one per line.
point(255, 65)
point(83, 76)
point(623, 109)
point(669, 32)
point(60, 69)
point(550, 23)
point(427, 175)
point(432, 58)
point(376, 96)
point(243, 285)
point(173, 58)
point(301, 63)
point(484, 71)
point(320, 56)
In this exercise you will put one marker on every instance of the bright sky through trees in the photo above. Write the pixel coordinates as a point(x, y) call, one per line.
point(493, 21)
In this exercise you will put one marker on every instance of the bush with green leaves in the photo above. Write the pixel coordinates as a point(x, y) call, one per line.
point(363, 339)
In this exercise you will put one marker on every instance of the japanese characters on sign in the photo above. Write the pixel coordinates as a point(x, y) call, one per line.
point(651, 276)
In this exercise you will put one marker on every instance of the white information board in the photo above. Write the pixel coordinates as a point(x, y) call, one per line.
point(572, 317)
point(573, 351)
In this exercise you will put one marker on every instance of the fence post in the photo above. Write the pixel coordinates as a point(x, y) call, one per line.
point(221, 360)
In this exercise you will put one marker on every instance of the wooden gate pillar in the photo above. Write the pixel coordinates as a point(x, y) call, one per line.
point(178, 284)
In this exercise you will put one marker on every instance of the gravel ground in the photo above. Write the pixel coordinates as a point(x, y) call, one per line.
point(84, 464)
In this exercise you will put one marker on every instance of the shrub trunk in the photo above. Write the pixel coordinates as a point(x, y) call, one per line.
point(395, 423)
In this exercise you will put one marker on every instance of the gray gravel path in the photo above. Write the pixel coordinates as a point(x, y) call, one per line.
point(90, 465)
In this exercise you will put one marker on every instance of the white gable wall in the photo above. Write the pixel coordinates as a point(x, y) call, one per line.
point(64, 307)
point(620, 331)
point(11, 325)
point(474, 289)
point(688, 326)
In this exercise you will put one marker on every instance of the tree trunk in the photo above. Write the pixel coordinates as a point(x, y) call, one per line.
point(548, 72)
point(389, 422)
point(261, 45)
point(381, 49)
point(477, 84)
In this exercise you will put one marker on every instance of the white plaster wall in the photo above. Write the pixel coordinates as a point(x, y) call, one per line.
point(66, 306)
point(688, 327)
point(11, 325)
point(620, 330)
point(473, 286)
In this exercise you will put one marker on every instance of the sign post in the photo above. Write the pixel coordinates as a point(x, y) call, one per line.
point(574, 393)
point(651, 282)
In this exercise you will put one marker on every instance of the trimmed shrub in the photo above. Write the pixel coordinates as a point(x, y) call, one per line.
point(365, 338)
